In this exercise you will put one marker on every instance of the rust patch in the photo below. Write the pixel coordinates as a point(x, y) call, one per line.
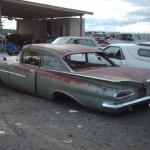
point(60, 76)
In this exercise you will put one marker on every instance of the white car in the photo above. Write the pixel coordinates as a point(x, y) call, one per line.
point(129, 55)
point(3, 54)
point(87, 41)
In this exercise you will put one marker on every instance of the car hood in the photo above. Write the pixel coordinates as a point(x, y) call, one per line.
point(117, 74)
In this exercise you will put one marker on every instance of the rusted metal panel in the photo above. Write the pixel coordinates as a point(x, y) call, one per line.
point(99, 86)
point(118, 74)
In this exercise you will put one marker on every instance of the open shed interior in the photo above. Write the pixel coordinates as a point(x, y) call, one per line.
point(37, 21)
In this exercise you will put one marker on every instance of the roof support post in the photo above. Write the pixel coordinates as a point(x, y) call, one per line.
point(81, 24)
point(43, 27)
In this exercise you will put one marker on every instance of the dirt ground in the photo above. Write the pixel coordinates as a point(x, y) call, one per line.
point(28, 122)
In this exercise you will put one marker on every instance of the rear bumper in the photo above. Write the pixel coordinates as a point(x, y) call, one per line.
point(112, 106)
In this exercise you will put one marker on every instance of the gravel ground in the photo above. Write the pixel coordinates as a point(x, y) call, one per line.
point(30, 122)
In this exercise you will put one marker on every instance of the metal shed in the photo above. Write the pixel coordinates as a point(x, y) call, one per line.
point(30, 10)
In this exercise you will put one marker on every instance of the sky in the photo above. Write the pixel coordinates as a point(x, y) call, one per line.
point(108, 15)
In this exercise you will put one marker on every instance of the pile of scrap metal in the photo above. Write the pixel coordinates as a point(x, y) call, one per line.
point(15, 42)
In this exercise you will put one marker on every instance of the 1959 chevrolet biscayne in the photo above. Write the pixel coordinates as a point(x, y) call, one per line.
point(82, 73)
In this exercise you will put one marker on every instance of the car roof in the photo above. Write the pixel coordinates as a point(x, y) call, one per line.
point(147, 43)
point(76, 37)
point(123, 44)
point(62, 50)
point(143, 44)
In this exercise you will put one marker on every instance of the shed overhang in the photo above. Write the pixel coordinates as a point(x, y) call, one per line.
point(31, 10)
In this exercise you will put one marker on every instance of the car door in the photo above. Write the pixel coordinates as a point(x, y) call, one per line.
point(23, 73)
point(49, 77)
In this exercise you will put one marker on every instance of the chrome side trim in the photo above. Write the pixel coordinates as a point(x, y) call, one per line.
point(86, 76)
point(113, 106)
point(13, 73)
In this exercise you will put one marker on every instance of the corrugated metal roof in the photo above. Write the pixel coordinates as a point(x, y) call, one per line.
point(25, 9)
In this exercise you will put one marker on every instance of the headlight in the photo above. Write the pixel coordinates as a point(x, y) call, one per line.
point(123, 94)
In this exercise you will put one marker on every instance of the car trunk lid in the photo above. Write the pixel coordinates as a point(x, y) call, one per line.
point(117, 74)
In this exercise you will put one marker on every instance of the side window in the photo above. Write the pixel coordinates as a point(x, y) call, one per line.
point(117, 55)
point(77, 41)
point(144, 52)
point(52, 62)
point(113, 52)
point(32, 58)
point(78, 57)
point(88, 43)
point(137, 37)
point(96, 59)
point(119, 37)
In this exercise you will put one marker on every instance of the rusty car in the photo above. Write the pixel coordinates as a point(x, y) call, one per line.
point(52, 71)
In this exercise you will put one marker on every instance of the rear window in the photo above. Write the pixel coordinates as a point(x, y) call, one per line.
point(62, 40)
point(144, 52)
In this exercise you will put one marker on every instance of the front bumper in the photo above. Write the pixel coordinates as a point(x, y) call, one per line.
point(112, 107)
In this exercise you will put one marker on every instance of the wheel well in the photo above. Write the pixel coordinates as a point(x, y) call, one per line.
point(64, 98)
point(58, 95)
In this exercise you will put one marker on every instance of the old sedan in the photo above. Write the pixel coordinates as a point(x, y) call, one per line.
point(53, 72)
point(129, 55)
point(87, 41)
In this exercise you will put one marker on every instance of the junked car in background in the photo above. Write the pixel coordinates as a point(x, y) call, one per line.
point(124, 38)
point(51, 72)
point(87, 41)
point(129, 55)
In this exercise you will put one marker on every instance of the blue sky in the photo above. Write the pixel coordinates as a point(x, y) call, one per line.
point(109, 15)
